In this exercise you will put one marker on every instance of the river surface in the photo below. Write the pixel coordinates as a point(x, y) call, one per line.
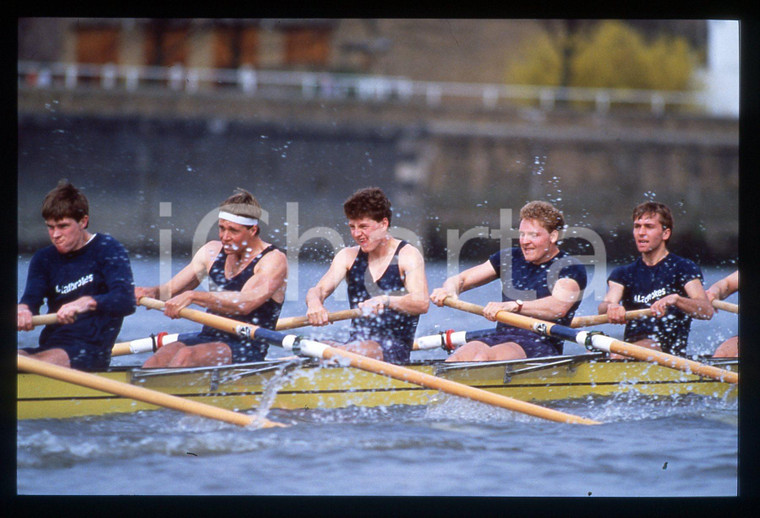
point(646, 447)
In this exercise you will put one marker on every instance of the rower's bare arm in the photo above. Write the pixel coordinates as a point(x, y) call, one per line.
point(186, 279)
point(565, 293)
point(316, 296)
point(269, 281)
point(412, 267)
point(611, 304)
point(463, 281)
point(724, 287)
point(696, 304)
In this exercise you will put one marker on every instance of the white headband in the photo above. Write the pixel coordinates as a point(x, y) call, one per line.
point(240, 220)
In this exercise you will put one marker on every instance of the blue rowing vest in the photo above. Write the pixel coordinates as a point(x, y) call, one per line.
point(393, 330)
point(265, 315)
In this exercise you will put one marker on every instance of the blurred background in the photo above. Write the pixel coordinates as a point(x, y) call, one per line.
point(454, 119)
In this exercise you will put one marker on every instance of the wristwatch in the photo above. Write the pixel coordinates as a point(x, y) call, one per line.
point(519, 305)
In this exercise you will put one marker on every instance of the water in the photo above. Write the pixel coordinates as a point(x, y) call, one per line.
point(646, 447)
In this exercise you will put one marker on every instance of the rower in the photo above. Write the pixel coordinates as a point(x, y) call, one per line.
point(86, 280)
point(538, 280)
point(385, 278)
point(668, 284)
point(247, 282)
point(719, 291)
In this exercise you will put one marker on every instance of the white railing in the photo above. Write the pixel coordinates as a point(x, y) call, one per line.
point(324, 85)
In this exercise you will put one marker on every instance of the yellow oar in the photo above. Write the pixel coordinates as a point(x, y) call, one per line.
point(293, 322)
point(600, 341)
point(595, 320)
point(139, 393)
point(725, 306)
point(324, 351)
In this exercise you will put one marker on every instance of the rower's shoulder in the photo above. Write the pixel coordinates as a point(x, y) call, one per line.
point(273, 254)
point(347, 254)
point(410, 251)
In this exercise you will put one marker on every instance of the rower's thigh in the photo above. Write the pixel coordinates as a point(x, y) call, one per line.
point(55, 356)
point(214, 353)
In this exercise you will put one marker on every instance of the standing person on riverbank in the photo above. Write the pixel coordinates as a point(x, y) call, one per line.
point(385, 278)
point(552, 283)
point(248, 278)
point(668, 284)
point(719, 291)
point(86, 280)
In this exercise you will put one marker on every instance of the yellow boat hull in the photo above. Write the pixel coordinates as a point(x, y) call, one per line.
point(289, 385)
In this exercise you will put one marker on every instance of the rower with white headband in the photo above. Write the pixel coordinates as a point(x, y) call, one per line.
point(247, 279)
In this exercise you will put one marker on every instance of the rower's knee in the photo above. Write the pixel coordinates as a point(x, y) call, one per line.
point(164, 355)
point(55, 356)
point(471, 352)
point(728, 349)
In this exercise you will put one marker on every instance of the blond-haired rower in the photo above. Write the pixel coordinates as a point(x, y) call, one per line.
point(538, 280)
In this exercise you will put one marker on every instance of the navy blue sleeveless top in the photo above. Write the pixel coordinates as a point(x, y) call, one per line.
point(393, 330)
point(265, 315)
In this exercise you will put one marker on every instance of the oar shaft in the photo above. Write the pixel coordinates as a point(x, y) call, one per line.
point(595, 320)
point(661, 358)
point(451, 387)
point(320, 350)
point(601, 342)
point(293, 322)
point(725, 306)
point(138, 393)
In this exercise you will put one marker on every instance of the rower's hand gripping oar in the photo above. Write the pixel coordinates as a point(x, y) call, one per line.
point(44, 320)
point(600, 341)
point(293, 322)
point(315, 349)
point(594, 320)
point(153, 397)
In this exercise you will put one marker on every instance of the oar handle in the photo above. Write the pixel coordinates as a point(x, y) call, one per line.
point(595, 320)
point(725, 306)
point(139, 393)
point(293, 322)
point(44, 320)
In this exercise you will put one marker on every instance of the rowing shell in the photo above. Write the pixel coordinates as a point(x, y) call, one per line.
point(305, 384)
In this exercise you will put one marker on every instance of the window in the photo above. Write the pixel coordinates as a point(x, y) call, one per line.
point(97, 45)
point(307, 46)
